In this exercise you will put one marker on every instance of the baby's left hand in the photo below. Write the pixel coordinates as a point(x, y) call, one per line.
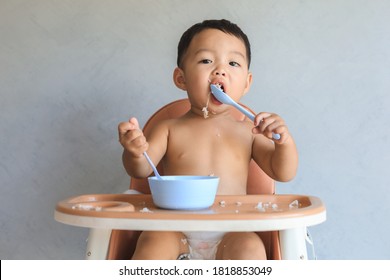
point(269, 123)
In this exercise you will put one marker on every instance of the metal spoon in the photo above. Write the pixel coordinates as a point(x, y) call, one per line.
point(226, 99)
point(153, 167)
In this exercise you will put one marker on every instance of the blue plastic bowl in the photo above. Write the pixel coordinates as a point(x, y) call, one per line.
point(184, 192)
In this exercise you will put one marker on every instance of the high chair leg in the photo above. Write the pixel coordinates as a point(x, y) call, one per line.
point(293, 243)
point(97, 244)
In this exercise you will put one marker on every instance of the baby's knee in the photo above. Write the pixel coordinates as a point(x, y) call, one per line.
point(160, 245)
point(253, 244)
point(242, 246)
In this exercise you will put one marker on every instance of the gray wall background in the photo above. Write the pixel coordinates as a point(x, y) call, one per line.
point(71, 70)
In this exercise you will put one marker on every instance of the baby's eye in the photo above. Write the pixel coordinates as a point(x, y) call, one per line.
point(205, 61)
point(233, 63)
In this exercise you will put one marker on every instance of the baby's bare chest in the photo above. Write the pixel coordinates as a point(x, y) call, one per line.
point(210, 145)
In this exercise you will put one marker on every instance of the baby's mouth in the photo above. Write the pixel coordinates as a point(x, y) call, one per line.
point(220, 86)
point(213, 99)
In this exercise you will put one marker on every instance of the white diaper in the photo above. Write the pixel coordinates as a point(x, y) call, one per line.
point(203, 245)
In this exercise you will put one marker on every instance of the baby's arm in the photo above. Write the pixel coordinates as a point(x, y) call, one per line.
point(279, 159)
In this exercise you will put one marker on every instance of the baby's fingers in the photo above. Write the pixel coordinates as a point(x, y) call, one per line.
point(278, 134)
point(134, 142)
point(270, 125)
point(125, 127)
point(126, 130)
point(131, 137)
point(266, 122)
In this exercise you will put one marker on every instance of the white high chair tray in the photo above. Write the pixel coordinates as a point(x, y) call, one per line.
point(228, 213)
point(289, 214)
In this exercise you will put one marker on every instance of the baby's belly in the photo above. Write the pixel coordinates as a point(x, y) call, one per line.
point(233, 172)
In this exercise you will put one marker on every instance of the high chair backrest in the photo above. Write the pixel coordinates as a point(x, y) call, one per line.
point(258, 182)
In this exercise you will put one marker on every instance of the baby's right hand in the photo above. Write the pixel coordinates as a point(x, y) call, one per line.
point(132, 138)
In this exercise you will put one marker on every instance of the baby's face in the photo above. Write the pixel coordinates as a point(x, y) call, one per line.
point(218, 58)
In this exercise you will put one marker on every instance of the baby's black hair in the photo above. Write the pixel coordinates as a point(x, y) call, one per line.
point(222, 25)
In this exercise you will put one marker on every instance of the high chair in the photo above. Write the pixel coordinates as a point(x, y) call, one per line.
point(111, 243)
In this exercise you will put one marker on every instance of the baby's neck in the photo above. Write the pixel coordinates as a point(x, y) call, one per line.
point(197, 113)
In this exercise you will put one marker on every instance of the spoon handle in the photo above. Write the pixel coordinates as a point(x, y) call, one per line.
point(275, 136)
point(153, 166)
point(224, 98)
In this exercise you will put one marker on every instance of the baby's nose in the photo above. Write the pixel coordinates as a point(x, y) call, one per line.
point(219, 72)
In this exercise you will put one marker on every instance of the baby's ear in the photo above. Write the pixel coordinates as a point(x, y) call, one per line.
point(248, 83)
point(178, 78)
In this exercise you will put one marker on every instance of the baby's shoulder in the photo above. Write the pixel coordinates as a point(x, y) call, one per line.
point(165, 125)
